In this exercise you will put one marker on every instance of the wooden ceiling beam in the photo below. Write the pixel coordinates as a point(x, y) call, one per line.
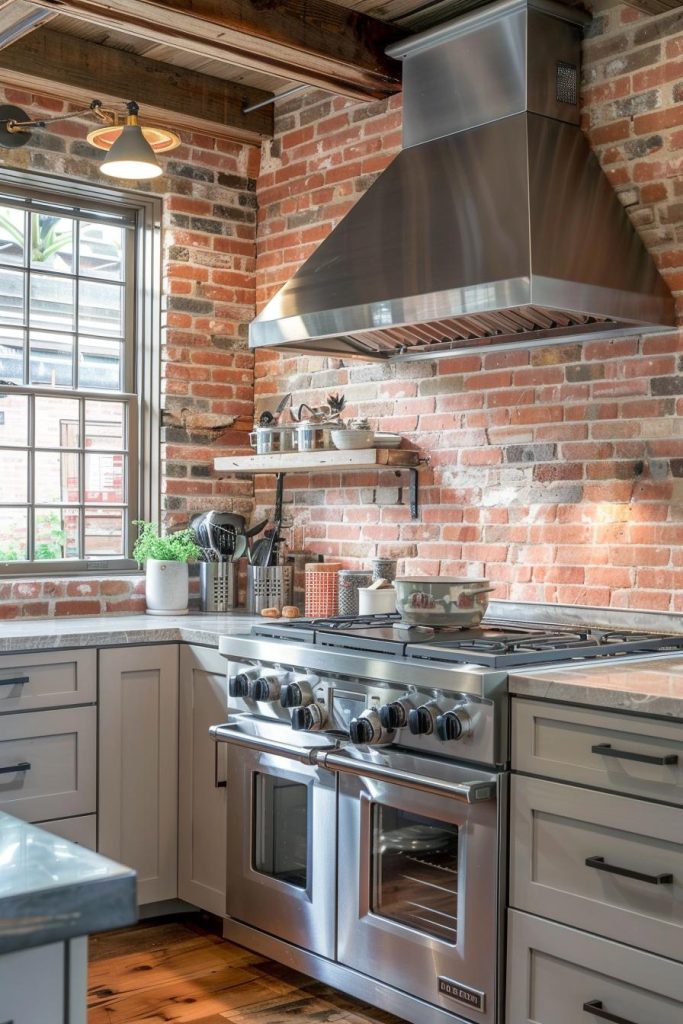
point(18, 18)
point(309, 41)
point(175, 97)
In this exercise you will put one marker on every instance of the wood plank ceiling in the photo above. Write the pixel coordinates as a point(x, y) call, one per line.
point(198, 64)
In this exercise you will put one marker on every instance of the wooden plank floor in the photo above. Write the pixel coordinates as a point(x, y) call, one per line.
point(177, 970)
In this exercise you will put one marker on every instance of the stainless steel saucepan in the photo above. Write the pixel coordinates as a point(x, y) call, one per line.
point(442, 600)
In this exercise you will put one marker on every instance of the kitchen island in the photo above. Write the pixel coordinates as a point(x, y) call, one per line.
point(53, 894)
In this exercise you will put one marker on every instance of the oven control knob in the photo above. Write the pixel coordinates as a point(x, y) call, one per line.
point(295, 695)
point(266, 688)
point(368, 729)
point(240, 685)
point(360, 730)
point(421, 721)
point(454, 724)
point(395, 715)
point(311, 718)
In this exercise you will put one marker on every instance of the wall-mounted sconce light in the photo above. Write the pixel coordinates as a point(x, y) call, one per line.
point(131, 148)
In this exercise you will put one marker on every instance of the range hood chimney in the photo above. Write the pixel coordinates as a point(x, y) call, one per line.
point(494, 226)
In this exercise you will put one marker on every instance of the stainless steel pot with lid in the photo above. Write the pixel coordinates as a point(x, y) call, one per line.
point(442, 600)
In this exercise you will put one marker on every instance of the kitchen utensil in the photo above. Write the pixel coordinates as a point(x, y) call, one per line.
point(253, 530)
point(442, 600)
point(376, 602)
point(217, 586)
point(268, 587)
point(383, 439)
point(312, 437)
point(414, 839)
point(346, 440)
point(269, 439)
point(271, 546)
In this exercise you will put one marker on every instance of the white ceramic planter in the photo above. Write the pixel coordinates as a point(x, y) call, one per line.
point(166, 587)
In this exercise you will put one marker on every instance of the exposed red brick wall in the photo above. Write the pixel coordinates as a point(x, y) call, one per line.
point(558, 473)
point(209, 224)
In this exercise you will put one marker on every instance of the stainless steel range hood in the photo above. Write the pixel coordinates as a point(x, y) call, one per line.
point(494, 226)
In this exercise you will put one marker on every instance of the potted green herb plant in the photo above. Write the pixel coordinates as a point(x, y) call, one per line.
point(166, 573)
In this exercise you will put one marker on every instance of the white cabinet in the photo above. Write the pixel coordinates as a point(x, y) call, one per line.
point(46, 985)
point(202, 824)
point(47, 761)
point(557, 975)
point(138, 765)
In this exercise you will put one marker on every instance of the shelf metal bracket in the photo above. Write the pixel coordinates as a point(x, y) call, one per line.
point(279, 496)
point(414, 508)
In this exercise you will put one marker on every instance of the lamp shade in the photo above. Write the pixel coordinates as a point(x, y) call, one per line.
point(131, 156)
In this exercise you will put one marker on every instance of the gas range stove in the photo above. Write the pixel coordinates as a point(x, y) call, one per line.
point(496, 644)
point(376, 682)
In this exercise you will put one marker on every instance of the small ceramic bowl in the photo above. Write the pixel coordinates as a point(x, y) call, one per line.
point(346, 439)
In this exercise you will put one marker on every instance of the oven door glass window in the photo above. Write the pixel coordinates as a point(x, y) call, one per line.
point(415, 871)
point(280, 843)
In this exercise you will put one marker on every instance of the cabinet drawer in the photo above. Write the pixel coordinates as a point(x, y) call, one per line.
point(604, 749)
point(55, 679)
point(555, 829)
point(32, 989)
point(81, 830)
point(59, 749)
point(555, 973)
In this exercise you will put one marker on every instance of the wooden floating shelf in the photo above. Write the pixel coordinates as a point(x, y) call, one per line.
point(304, 462)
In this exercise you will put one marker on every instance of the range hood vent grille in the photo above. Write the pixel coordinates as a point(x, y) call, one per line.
point(524, 323)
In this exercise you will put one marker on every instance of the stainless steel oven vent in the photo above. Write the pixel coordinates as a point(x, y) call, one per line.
point(495, 225)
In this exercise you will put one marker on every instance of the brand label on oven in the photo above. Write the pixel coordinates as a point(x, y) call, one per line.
point(463, 994)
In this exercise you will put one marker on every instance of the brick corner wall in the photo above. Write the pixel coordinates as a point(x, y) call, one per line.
point(208, 263)
point(558, 472)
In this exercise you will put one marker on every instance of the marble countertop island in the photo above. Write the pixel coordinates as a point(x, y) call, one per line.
point(51, 889)
point(649, 686)
point(120, 630)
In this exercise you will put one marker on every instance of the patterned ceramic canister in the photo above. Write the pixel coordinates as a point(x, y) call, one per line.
point(350, 580)
point(384, 569)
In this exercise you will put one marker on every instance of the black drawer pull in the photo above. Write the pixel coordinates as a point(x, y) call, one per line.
point(595, 1007)
point(9, 769)
point(599, 864)
point(218, 783)
point(607, 750)
point(17, 681)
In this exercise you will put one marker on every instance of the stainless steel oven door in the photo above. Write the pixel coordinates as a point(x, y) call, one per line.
point(281, 834)
point(418, 870)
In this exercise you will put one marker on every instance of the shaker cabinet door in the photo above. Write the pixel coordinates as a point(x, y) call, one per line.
point(202, 797)
point(138, 765)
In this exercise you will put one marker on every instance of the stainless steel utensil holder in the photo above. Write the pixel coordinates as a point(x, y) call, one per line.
point(217, 586)
point(268, 587)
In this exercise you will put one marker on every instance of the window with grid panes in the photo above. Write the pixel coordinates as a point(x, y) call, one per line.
point(68, 407)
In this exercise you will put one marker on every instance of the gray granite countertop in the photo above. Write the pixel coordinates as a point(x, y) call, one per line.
point(652, 686)
point(51, 889)
point(119, 630)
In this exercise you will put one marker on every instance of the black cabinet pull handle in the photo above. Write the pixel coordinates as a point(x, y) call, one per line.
point(607, 750)
point(218, 783)
point(17, 681)
point(596, 1008)
point(599, 864)
point(23, 766)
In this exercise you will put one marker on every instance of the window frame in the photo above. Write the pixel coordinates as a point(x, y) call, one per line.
point(141, 386)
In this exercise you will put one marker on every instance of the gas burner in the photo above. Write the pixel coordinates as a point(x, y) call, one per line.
point(495, 644)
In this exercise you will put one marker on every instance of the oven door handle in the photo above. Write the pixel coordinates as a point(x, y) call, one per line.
point(469, 792)
point(230, 733)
